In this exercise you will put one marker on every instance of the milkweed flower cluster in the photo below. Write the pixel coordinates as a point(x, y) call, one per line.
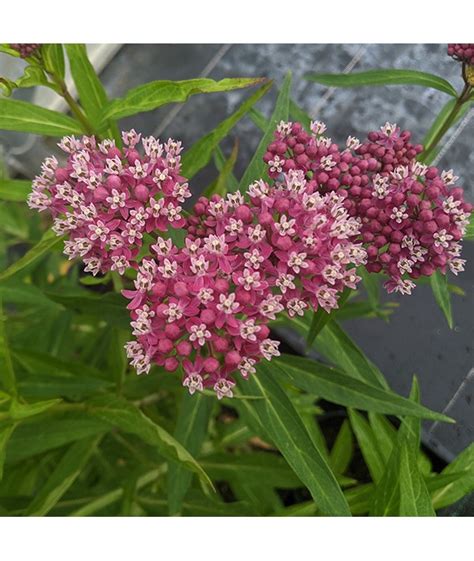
point(207, 306)
point(284, 246)
point(106, 199)
point(25, 49)
point(412, 218)
point(462, 52)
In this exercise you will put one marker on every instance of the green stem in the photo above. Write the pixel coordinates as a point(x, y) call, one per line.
point(74, 106)
point(463, 98)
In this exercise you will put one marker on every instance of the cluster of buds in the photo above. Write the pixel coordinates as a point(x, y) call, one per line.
point(412, 218)
point(106, 199)
point(462, 52)
point(25, 49)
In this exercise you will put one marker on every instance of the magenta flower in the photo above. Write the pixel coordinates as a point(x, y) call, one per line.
point(106, 200)
point(410, 217)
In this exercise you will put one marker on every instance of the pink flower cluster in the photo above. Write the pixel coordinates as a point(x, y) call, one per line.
point(462, 52)
point(412, 218)
point(107, 199)
point(206, 306)
point(25, 49)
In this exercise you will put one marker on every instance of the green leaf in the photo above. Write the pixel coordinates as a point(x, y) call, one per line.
point(299, 114)
point(334, 343)
point(33, 76)
point(368, 445)
point(36, 436)
point(224, 179)
point(22, 116)
point(461, 469)
point(201, 152)
point(220, 161)
point(343, 449)
point(65, 473)
point(48, 241)
point(384, 77)
point(372, 286)
point(92, 94)
point(5, 434)
point(286, 429)
point(191, 430)
point(7, 373)
point(256, 168)
point(20, 411)
point(261, 468)
point(53, 56)
point(14, 189)
point(161, 92)
point(109, 307)
point(320, 318)
point(439, 285)
point(127, 417)
point(337, 387)
point(402, 490)
point(258, 119)
point(115, 495)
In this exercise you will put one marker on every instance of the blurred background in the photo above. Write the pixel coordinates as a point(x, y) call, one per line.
point(417, 339)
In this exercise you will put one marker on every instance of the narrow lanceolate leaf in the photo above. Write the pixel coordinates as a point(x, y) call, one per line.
point(220, 161)
point(53, 56)
point(439, 285)
point(201, 152)
point(384, 78)
point(161, 92)
point(23, 410)
point(92, 94)
point(343, 449)
point(402, 490)
point(191, 430)
point(5, 433)
point(286, 429)
point(334, 343)
point(14, 189)
point(127, 417)
point(458, 487)
point(22, 116)
point(224, 180)
point(337, 387)
point(63, 476)
point(48, 242)
point(368, 445)
point(256, 168)
point(371, 283)
point(7, 373)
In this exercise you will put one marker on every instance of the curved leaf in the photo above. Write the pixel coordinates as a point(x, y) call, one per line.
point(191, 429)
point(48, 241)
point(155, 94)
point(127, 417)
point(65, 473)
point(25, 117)
point(343, 389)
point(92, 94)
point(286, 429)
point(384, 77)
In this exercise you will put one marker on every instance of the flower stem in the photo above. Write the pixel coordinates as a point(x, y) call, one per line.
point(450, 119)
